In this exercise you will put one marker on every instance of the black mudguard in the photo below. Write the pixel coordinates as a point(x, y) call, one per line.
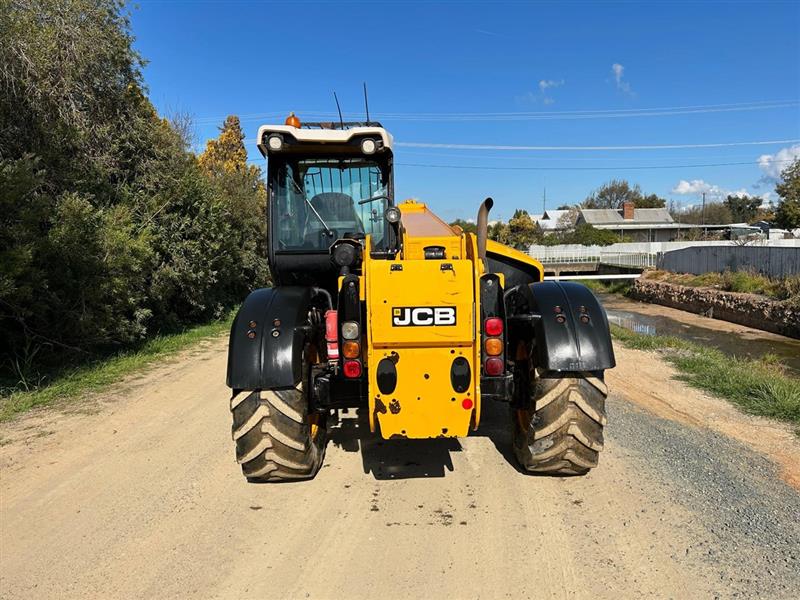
point(571, 332)
point(257, 357)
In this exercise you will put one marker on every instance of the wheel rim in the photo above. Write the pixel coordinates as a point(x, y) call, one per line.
point(313, 425)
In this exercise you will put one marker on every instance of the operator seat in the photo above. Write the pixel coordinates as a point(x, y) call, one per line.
point(338, 211)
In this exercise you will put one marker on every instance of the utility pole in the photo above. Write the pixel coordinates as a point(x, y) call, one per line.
point(544, 200)
point(704, 208)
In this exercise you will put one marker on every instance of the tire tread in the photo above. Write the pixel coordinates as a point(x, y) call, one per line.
point(272, 435)
point(565, 433)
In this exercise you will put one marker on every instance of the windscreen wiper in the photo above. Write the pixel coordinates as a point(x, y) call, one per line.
point(328, 230)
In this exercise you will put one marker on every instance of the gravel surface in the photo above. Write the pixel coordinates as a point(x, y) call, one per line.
point(750, 518)
point(140, 498)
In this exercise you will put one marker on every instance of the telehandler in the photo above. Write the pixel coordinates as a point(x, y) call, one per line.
point(387, 309)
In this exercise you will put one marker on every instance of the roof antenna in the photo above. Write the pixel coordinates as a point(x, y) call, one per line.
point(366, 103)
point(339, 108)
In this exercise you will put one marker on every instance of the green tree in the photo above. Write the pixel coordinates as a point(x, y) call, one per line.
point(241, 187)
point(787, 214)
point(612, 195)
point(111, 229)
point(715, 213)
point(520, 231)
point(497, 231)
point(584, 234)
point(650, 201)
point(618, 191)
point(468, 226)
point(743, 209)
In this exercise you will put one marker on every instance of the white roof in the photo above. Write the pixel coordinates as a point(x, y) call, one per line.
point(554, 215)
point(549, 220)
point(335, 136)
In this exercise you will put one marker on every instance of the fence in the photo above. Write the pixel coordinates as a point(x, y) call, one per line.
point(637, 260)
point(586, 256)
point(772, 261)
point(543, 253)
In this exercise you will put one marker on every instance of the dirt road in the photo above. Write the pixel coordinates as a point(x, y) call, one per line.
point(137, 496)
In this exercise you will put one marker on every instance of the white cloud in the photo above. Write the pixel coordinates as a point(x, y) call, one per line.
point(618, 71)
point(772, 164)
point(549, 83)
point(693, 187)
point(545, 91)
point(698, 187)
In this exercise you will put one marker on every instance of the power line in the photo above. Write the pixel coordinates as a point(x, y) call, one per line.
point(433, 145)
point(534, 115)
point(589, 148)
point(617, 168)
point(517, 157)
point(578, 115)
point(752, 103)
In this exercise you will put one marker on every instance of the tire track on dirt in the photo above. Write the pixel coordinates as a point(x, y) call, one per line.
point(141, 498)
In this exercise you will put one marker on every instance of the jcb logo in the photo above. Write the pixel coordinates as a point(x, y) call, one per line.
point(423, 316)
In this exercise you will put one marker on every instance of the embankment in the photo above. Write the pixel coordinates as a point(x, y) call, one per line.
point(745, 309)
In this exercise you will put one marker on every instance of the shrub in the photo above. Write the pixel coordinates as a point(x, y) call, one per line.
point(111, 230)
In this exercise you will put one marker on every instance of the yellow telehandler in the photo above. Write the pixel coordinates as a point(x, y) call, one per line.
point(387, 309)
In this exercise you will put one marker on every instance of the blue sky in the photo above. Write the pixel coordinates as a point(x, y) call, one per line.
point(577, 74)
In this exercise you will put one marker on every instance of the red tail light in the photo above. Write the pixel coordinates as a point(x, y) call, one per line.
point(493, 326)
point(493, 367)
point(352, 368)
point(331, 335)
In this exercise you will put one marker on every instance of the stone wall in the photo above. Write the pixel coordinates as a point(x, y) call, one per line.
point(745, 309)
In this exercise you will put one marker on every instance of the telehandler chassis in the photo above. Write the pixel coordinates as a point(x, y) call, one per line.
point(389, 310)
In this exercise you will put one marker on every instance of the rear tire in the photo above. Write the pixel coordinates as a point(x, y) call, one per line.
point(276, 439)
point(560, 430)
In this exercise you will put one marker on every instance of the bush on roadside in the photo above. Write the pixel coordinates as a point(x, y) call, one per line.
point(111, 229)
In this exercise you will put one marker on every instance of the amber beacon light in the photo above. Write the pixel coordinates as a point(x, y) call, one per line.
point(292, 121)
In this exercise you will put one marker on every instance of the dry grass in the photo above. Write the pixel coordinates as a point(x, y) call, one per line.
point(761, 387)
point(746, 282)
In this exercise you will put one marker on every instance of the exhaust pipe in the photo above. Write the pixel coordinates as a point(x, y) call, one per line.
point(483, 227)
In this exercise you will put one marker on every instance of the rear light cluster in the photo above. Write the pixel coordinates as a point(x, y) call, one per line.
point(331, 335)
point(351, 349)
point(493, 364)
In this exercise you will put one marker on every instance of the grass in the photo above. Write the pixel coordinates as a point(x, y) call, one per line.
point(608, 286)
point(746, 282)
point(759, 387)
point(102, 373)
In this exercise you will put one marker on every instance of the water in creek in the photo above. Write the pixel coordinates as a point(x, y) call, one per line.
point(732, 339)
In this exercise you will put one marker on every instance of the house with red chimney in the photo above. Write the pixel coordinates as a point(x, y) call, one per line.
point(636, 224)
